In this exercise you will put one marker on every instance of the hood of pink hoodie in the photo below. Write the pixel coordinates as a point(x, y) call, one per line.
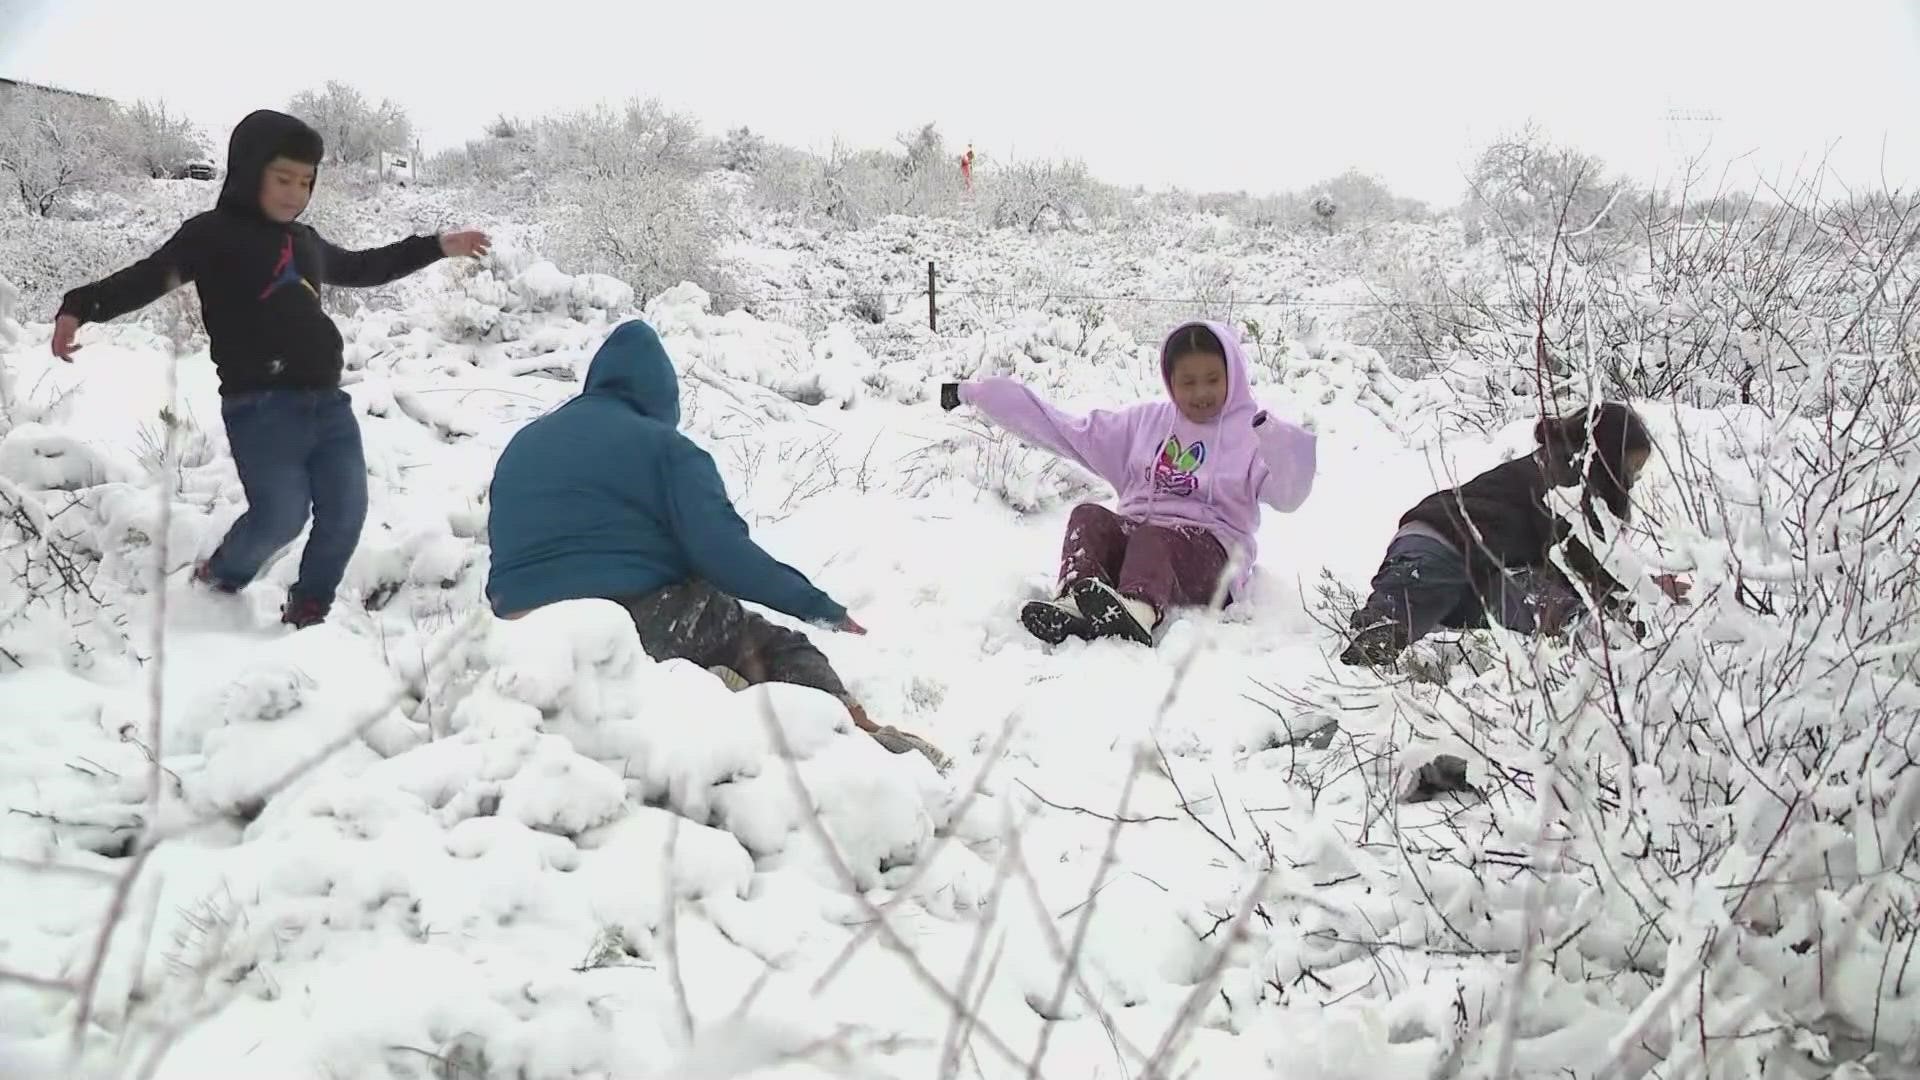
point(1203, 475)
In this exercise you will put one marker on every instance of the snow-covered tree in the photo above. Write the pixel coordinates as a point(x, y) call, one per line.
point(158, 141)
point(1524, 183)
point(356, 130)
point(744, 151)
point(53, 146)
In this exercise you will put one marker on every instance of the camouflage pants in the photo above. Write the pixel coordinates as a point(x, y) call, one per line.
point(692, 620)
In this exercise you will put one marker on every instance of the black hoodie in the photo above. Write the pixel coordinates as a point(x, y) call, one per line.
point(1500, 520)
point(258, 280)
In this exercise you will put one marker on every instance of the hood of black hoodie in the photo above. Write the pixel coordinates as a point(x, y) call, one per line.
point(252, 146)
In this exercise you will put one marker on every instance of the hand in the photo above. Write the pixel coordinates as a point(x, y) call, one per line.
point(471, 243)
point(1304, 423)
point(950, 396)
point(64, 329)
point(1675, 588)
point(848, 626)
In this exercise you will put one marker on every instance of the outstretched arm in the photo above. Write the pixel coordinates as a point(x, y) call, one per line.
point(140, 284)
point(1291, 453)
point(1585, 567)
point(717, 543)
point(1097, 441)
point(376, 266)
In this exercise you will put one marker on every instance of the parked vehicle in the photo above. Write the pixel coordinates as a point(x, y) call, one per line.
point(192, 170)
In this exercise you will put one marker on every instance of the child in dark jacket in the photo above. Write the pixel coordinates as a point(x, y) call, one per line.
point(1483, 550)
point(1191, 470)
point(294, 437)
point(604, 498)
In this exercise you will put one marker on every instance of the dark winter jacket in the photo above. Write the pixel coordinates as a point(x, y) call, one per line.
point(258, 280)
point(1500, 519)
point(603, 497)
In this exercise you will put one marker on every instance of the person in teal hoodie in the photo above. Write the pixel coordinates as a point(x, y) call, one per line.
point(605, 498)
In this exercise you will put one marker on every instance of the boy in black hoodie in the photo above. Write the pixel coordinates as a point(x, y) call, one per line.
point(1483, 551)
point(294, 437)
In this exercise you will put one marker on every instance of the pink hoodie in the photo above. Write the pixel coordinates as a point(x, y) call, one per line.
point(1167, 469)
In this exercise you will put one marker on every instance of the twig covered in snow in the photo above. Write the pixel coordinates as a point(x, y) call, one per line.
point(777, 734)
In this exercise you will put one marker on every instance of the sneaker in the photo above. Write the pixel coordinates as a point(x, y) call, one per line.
point(1376, 644)
point(203, 575)
point(900, 742)
point(893, 740)
point(1054, 621)
point(301, 614)
point(1113, 615)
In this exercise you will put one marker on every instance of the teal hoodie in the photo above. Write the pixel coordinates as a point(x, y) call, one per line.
point(604, 497)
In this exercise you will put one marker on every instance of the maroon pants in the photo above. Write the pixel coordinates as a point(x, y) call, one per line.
point(1165, 565)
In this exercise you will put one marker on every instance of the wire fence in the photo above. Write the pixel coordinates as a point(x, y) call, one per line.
point(1228, 300)
point(937, 291)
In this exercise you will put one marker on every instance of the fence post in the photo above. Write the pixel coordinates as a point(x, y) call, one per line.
point(933, 306)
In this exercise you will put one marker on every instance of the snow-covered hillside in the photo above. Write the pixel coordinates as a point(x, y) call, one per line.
point(420, 842)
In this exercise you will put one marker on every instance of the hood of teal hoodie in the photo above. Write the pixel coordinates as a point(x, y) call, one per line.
point(633, 366)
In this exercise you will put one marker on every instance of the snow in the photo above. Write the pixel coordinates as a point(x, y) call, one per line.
point(421, 839)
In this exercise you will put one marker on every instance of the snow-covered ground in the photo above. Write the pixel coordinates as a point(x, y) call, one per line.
point(420, 842)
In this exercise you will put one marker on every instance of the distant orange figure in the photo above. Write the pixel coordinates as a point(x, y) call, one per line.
point(966, 167)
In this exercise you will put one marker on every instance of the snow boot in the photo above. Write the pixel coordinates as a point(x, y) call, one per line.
point(899, 742)
point(301, 614)
point(203, 576)
point(895, 741)
point(1375, 644)
point(1444, 775)
point(1113, 615)
point(1054, 621)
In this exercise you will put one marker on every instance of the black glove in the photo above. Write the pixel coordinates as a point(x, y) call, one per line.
point(950, 396)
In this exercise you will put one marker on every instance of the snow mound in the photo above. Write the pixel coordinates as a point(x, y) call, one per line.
point(760, 764)
point(40, 458)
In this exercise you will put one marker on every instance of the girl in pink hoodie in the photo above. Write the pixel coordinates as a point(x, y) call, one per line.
point(1191, 473)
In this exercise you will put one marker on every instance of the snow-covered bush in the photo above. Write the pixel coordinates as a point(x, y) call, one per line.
point(47, 257)
point(645, 227)
point(744, 151)
point(356, 131)
point(57, 609)
point(1778, 308)
point(506, 295)
point(9, 317)
point(629, 203)
point(1041, 195)
point(1701, 838)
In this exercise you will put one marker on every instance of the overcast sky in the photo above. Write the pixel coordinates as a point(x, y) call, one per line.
point(1258, 94)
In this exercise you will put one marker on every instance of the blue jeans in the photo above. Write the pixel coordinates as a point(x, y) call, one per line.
point(297, 451)
point(1425, 584)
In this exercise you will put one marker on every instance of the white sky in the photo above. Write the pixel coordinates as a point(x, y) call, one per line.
point(1206, 94)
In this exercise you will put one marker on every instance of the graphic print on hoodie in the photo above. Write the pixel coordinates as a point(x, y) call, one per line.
point(286, 272)
point(1166, 469)
point(1173, 471)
